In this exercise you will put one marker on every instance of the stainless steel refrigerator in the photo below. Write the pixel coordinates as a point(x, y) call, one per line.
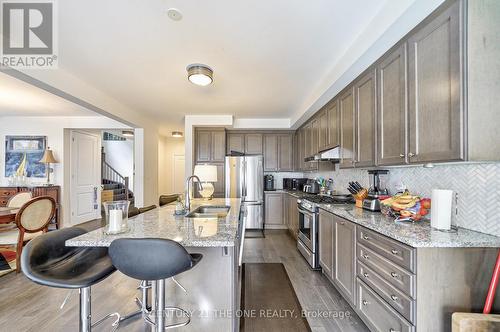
point(245, 180)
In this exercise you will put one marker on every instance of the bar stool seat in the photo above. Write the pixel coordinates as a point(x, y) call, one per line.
point(154, 260)
point(47, 261)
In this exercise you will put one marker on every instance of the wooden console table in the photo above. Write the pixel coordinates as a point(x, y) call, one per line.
point(52, 191)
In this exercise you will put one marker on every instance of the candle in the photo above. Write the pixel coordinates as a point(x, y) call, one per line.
point(115, 220)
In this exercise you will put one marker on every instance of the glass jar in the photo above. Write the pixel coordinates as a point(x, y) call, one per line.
point(116, 217)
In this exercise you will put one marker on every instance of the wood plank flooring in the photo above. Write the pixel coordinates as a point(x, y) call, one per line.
point(25, 306)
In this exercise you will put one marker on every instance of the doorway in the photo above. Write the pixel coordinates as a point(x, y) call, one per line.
point(178, 173)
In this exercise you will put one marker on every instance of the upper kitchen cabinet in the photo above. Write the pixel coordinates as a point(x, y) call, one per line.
point(435, 113)
point(365, 113)
point(278, 152)
point(210, 145)
point(333, 123)
point(391, 120)
point(347, 128)
point(253, 143)
point(235, 143)
point(244, 143)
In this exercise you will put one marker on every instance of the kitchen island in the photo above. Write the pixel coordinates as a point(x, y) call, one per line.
point(213, 287)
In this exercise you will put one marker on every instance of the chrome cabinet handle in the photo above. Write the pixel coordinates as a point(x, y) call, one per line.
point(365, 256)
point(394, 251)
point(394, 297)
point(365, 302)
point(365, 275)
point(365, 237)
point(394, 274)
point(402, 155)
point(393, 330)
point(342, 222)
point(411, 154)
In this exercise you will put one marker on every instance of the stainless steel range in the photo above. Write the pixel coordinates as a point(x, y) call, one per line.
point(309, 224)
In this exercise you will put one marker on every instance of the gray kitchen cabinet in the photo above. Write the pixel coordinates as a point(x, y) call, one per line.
point(293, 214)
point(218, 146)
point(392, 107)
point(324, 139)
point(308, 140)
point(219, 190)
point(285, 152)
point(315, 129)
point(326, 242)
point(300, 149)
point(235, 142)
point(344, 272)
point(347, 128)
point(273, 207)
point(203, 146)
point(365, 109)
point(333, 123)
point(270, 153)
point(435, 113)
point(253, 143)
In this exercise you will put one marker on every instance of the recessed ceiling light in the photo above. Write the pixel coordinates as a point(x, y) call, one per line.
point(174, 14)
point(200, 74)
point(177, 134)
point(128, 133)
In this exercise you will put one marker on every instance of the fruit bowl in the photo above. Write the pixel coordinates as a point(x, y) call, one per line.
point(406, 207)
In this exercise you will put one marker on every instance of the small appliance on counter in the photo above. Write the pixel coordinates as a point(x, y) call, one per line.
point(269, 182)
point(311, 187)
point(377, 191)
point(296, 184)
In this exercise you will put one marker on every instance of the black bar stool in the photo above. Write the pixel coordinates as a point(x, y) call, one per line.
point(47, 261)
point(154, 260)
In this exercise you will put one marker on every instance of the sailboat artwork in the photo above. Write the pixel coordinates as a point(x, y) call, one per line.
point(22, 156)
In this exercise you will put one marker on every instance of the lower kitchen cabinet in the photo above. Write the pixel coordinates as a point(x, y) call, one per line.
point(273, 207)
point(290, 214)
point(344, 272)
point(326, 242)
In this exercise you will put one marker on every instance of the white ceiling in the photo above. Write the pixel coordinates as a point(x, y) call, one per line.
point(267, 56)
point(18, 98)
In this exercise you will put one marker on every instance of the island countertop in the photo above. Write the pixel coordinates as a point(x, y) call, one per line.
point(161, 223)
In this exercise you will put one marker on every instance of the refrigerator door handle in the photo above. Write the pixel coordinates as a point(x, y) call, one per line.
point(244, 179)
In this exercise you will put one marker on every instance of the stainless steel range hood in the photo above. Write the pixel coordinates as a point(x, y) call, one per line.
point(331, 155)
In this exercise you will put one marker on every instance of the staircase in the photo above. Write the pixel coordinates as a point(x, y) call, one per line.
point(111, 180)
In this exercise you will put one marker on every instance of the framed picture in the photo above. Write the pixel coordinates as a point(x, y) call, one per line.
point(22, 154)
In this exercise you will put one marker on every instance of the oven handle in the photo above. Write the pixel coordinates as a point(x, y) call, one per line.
point(305, 212)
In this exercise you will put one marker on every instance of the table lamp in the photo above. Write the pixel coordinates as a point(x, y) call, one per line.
point(48, 158)
point(207, 175)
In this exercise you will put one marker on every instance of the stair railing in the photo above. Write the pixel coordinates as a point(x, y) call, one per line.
point(108, 173)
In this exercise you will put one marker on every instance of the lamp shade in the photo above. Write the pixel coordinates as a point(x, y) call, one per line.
point(206, 173)
point(48, 157)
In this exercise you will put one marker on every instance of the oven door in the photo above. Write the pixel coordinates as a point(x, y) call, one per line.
point(307, 229)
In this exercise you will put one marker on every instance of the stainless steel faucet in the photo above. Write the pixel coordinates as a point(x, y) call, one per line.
point(187, 201)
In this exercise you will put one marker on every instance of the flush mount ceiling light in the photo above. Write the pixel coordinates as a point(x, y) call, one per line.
point(174, 14)
point(200, 74)
point(128, 133)
point(177, 134)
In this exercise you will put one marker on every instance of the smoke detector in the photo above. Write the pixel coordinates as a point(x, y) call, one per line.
point(174, 14)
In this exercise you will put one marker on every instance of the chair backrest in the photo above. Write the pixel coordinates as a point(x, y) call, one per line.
point(19, 199)
point(166, 199)
point(147, 208)
point(36, 214)
point(149, 258)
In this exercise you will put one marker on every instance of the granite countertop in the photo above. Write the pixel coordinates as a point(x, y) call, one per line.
point(417, 235)
point(161, 223)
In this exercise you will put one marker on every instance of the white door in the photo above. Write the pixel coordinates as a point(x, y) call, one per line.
point(178, 174)
point(85, 177)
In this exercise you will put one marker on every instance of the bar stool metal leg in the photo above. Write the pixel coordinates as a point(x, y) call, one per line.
point(85, 316)
point(160, 305)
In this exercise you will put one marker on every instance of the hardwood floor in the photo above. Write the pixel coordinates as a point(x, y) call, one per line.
point(25, 306)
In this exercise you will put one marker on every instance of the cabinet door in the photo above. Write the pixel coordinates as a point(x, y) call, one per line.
point(392, 109)
point(270, 153)
point(365, 93)
point(435, 113)
point(333, 124)
point(315, 136)
point(285, 152)
point(274, 209)
point(323, 140)
point(345, 257)
point(218, 148)
point(307, 140)
point(235, 142)
point(253, 143)
point(347, 121)
point(203, 145)
point(326, 239)
point(300, 149)
point(219, 185)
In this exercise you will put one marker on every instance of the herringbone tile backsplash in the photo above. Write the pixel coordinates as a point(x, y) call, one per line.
point(477, 187)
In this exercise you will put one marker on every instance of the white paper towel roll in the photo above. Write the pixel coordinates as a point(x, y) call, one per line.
point(441, 201)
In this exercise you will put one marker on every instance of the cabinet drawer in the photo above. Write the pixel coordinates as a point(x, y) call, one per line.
point(4, 201)
point(394, 297)
point(7, 192)
point(390, 272)
point(377, 314)
point(390, 249)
